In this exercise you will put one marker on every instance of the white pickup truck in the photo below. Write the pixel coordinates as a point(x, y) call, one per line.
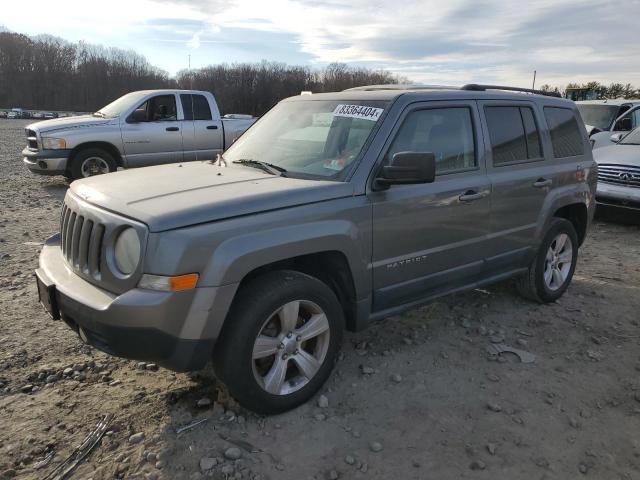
point(149, 127)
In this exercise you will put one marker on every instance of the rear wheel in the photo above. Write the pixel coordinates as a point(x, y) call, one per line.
point(551, 271)
point(90, 162)
point(280, 341)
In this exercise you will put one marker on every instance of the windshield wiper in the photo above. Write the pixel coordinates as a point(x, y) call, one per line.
point(267, 167)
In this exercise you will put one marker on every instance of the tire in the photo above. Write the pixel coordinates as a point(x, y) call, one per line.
point(102, 160)
point(258, 309)
point(535, 285)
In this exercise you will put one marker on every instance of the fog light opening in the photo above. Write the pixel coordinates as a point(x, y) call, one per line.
point(42, 164)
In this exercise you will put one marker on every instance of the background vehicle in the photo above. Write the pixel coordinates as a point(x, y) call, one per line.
point(143, 128)
point(604, 118)
point(3, 114)
point(333, 211)
point(13, 115)
point(16, 113)
point(619, 173)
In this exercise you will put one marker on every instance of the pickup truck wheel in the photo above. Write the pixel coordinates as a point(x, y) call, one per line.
point(280, 341)
point(92, 161)
point(551, 271)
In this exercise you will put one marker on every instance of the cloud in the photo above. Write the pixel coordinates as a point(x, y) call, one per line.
point(456, 41)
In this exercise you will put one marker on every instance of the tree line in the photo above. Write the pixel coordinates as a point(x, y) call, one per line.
point(614, 90)
point(48, 73)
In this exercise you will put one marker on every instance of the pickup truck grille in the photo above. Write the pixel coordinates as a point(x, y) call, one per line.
point(81, 242)
point(32, 139)
point(627, 175)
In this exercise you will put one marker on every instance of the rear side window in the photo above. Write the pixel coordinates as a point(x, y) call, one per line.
point(195, 107)
point(513, 133)
point(446, 132)
point(565, 133)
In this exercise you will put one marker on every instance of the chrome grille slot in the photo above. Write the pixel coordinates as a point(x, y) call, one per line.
point(83, 249)
point(94, 252)
point(627, 175)
point(75, 240)
point(69, 235)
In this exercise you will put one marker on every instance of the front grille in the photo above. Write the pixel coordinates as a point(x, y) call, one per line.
point(81, 241)
point(627, 175)
point(32, 139)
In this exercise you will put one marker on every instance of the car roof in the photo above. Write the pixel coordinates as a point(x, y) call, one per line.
point(424, 93)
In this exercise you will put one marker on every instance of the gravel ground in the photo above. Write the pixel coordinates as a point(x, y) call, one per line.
point(415, 396)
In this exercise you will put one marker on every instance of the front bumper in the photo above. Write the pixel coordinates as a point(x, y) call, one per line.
point(46, 162)
point(172, 329)
point(618, 196)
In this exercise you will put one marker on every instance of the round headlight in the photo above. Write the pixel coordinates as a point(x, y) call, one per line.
point(127, 251)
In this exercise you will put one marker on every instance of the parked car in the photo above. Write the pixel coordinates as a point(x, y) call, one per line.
point(619, 173)
point(37, 115)
point(13, 115)
point(332, 211)
point(603, 118)
point(3, 114)
point(16, 113)
point(143, 128)
point(49, 115)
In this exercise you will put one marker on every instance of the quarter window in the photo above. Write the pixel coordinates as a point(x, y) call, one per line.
point(195, 107)
point(445, 132)
point(513, 133)
point(565, 133)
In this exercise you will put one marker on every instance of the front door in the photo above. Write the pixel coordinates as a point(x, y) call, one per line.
point(201, 135)
point(430, 239)
point(156, 137)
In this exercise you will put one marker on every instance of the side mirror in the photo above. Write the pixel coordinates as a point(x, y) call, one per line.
point(139, 115)
point(616, 137)
point(408, 168)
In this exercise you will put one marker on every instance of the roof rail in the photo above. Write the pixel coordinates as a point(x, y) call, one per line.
point(479, 87)
point(399, 86)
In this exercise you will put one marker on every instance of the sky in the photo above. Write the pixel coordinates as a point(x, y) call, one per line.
point(448, 42)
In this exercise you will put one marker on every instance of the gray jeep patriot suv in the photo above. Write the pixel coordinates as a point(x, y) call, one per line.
point(332, 211)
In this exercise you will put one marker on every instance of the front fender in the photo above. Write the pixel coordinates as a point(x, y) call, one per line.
point(238, 256)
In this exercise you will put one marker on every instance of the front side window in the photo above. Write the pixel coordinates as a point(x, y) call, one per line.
point(160, 108)
point(318, 138)
point(195, 107)
point(445, 132)
point(513, 133)
point(566, 138)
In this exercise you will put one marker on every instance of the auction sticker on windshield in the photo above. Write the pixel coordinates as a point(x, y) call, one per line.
point(358, 111)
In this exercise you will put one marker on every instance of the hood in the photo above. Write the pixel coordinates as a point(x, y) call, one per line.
point(618, 154)
point(82, 121)
point(177, 195)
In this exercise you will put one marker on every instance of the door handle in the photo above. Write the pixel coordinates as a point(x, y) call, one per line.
point(212, 127)
point(471, 195)
point(172, 129)
point(542, 182)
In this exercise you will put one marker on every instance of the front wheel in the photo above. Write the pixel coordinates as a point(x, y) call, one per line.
point(551, 271)
point(90, 162)
point(280, 341)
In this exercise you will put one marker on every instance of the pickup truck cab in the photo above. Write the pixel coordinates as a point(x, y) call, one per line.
point(334, 210)
point(607, 121)
point(149, 127)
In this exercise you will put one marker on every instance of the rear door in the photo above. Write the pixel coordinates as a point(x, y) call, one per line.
point(525, 163)
point(156, 139)
point(202, 135)
point(430, 238)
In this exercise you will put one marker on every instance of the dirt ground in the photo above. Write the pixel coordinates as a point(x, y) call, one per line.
point(414, 397)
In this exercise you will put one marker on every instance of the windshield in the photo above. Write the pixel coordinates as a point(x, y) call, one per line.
point(632, 138)
point(120, 105)
point(599, 116)
point(316, 138)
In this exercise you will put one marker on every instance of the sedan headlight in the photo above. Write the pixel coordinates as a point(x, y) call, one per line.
point(51, 143)
point(127, 251)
